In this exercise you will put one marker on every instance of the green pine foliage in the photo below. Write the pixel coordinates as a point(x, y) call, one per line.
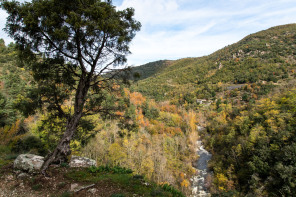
point(13, 83)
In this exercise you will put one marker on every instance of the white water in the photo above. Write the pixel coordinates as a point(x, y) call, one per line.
point(199, 181)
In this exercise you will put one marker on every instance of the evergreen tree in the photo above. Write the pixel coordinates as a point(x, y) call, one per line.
point(79, 42)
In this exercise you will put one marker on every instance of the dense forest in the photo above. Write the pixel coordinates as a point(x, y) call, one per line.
point(148, 70)
point(153, 139)
point(248, 98)
point(254, 146)
point(243, 94)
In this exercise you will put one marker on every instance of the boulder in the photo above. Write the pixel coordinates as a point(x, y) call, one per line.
point(81, 162)
point(28, 163)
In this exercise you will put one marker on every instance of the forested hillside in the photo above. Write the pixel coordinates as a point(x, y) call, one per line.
point(254, 146)
point(246, 94)
point(243, 94)
point(13, 82)
point(264, 58)
point(155, 140)
point(149, 70)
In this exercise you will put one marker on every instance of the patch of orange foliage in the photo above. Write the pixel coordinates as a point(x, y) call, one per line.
point(137, 98)
point(140, 117)
point(169, 108)
point(119, 113)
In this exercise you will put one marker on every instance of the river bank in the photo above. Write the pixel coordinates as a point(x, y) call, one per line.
point(201, 181)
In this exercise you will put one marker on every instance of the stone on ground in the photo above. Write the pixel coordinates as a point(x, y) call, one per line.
point(81, 162)
point(28, 163)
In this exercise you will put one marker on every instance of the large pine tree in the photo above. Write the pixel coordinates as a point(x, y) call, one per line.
point(72, 44)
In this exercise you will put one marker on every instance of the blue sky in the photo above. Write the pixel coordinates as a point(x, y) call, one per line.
point(173, 29)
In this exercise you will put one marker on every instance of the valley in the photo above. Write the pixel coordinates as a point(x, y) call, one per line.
point(243, 96)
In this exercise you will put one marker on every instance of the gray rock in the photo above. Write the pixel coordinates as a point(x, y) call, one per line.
point(28, 162)
point(76, 188)
point(81, 162)
point(73, 187)
point(93, 190)
point(199, 128)
point(23, 176)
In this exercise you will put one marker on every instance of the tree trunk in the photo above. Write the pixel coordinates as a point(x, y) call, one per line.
point(63, 150)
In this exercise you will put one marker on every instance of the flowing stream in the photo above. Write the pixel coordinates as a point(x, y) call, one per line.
point(199, 181)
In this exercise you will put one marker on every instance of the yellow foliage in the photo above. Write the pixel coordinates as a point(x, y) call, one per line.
point(185, 183)
point(8, 134)
point(222, 181)
point(170, 119)
point(75, 146)
point(266, 104)
point(147, 167)
point(221, 118)
point(192, 121)
point(116, 154)
point(257, 132)
point(238, 149)
point(221, 188)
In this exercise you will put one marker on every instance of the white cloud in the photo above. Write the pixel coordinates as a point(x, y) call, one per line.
point(173, 29)
point(3, 35)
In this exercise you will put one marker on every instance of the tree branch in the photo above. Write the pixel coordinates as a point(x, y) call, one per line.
point(57, 48)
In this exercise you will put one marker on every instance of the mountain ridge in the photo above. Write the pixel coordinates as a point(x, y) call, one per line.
point(267, 55)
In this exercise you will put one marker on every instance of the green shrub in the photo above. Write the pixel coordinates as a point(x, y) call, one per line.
point(113, 170)
point(137, 176)
point(66, 194)
point(36, 187)
point(64, 165)
point(157, 192)
point(61, 185)
point(10, 156)
point(30, 143)
point(171, 189)
point(4, 149)
point(3, 162)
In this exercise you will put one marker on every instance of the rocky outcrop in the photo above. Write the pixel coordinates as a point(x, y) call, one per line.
point(28, 163)
point(76, 187)
point(32, 163)
point(81, 162)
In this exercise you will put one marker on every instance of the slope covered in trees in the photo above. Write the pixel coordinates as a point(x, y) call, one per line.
point(13, 83)
point(250, 120)
point(266, 57)
point(156, 140)
point(254, 146)
point(249, 110)
point(149, 69)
